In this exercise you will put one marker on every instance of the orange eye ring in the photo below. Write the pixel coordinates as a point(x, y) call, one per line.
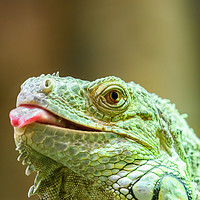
point(113, 97)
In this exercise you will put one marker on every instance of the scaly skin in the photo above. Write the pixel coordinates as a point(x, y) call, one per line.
point(124, 143)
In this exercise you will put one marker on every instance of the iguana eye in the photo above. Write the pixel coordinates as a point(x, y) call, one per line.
point(113, 97)
point(110, 96)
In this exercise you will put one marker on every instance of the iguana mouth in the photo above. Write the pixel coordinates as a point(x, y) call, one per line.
point(26, 114)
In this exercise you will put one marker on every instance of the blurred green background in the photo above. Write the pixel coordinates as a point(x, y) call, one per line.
point(154, 43)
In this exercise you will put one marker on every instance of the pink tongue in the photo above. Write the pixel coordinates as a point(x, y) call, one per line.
point(25, 115)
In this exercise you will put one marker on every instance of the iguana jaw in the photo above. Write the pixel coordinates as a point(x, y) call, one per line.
point(29, 140)
point(24, 130)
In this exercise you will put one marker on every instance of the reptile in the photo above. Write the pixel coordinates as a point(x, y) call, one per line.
point(103, 140)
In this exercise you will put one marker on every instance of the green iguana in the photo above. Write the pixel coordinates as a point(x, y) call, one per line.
point(104, 140)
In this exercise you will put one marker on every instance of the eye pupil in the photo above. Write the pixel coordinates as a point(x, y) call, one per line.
point(114, 95)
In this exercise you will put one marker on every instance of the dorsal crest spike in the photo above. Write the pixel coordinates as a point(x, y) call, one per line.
point(56, 74)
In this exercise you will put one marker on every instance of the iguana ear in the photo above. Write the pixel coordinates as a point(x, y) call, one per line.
point(170, 188)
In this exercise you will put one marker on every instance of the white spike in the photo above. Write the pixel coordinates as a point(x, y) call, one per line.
point(25, 161)
point(30, 169)
point(22, 156)
point(31, 191)
point(57, 74)
point(37, 182)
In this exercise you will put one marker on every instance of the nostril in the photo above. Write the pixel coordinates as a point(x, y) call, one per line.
point(47, 85)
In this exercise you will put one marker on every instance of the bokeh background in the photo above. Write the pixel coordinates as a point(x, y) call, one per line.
point(154, 43)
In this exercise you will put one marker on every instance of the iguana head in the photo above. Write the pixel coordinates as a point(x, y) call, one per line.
point(93, 129)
